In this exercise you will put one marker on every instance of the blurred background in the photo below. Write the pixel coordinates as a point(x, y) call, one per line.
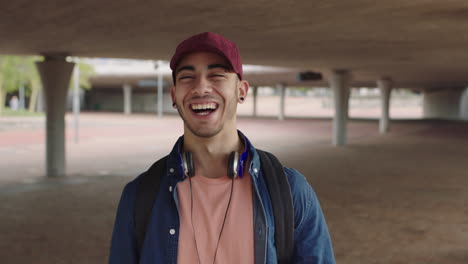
point(368, 100)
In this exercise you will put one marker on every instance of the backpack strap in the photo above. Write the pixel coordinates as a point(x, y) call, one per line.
point(147, 191)
point(281, 200)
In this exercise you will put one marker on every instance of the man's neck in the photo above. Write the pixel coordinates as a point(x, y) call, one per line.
point(211, 154)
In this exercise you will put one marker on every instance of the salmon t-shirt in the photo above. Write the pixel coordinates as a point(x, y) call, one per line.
point(210, 201)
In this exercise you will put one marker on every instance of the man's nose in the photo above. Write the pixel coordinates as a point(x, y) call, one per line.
point(202, 86)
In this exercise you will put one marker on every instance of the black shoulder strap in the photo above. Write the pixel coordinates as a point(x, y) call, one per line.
point(281, 200)
point(147, 192)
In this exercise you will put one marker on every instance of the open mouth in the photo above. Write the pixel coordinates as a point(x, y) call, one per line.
point(204, 109)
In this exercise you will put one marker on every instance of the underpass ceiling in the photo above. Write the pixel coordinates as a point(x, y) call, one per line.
point(418, 43)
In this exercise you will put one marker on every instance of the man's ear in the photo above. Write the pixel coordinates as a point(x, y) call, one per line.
point(243, 90)
point(173, 93)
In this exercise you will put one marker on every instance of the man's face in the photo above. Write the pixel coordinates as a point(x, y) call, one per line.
point(206, 93)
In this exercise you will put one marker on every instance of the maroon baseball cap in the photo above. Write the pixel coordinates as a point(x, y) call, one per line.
point(208, 42)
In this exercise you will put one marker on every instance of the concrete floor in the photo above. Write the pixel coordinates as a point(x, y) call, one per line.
point(395, 198)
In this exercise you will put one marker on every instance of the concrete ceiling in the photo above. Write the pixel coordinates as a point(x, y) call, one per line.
point(418, 43)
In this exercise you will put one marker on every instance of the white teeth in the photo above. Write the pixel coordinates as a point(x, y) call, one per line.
point(203, 106)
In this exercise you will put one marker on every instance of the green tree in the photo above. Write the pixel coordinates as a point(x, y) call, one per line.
point(86, 71)
point(15, 70)
point(12, 71)
point(35, 86)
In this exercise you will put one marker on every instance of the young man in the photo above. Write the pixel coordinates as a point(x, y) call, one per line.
point(214, 203)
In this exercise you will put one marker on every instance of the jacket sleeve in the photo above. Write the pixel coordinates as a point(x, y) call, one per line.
point(123, 245)
point(312, 243)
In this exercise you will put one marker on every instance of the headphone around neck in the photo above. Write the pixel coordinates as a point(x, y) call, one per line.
point(232, 166)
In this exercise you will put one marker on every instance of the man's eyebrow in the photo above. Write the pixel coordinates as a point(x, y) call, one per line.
point(190, 68)
point(212, 66)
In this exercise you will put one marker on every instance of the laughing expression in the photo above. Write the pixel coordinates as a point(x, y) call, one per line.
point(206, 93)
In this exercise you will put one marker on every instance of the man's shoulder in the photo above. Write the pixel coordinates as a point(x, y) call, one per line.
point(301, 190)
point(155, 167)
point(295, 178)
point(297, 181)
point(130, 188)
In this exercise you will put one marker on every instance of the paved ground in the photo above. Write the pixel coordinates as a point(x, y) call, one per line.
point(397, 198)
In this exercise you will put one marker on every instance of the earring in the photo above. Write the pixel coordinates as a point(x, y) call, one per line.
point(242, 99)
point(173, 105)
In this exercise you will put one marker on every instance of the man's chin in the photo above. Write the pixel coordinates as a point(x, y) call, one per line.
point(205, 132)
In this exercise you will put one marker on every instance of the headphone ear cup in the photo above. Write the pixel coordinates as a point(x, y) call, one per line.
point(232, 166)
point(189, 166)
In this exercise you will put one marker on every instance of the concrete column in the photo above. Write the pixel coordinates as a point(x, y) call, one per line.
point(127, 92)
point(464, 105)
point(443, 103)
point(385, 86)
point(339, 83)
point(76, 101)
point(255, 94)
point(40, 101)
point(22, 100)
point(160, 89)
point(55, 74)
point(282, 91)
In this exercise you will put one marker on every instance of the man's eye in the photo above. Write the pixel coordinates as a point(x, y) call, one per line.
point(217, 75)
point(185, 77)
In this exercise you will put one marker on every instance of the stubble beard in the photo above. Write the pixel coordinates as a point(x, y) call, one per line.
point(207, 132)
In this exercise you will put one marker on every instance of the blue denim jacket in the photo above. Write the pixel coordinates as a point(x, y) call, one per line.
point(311, 237)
